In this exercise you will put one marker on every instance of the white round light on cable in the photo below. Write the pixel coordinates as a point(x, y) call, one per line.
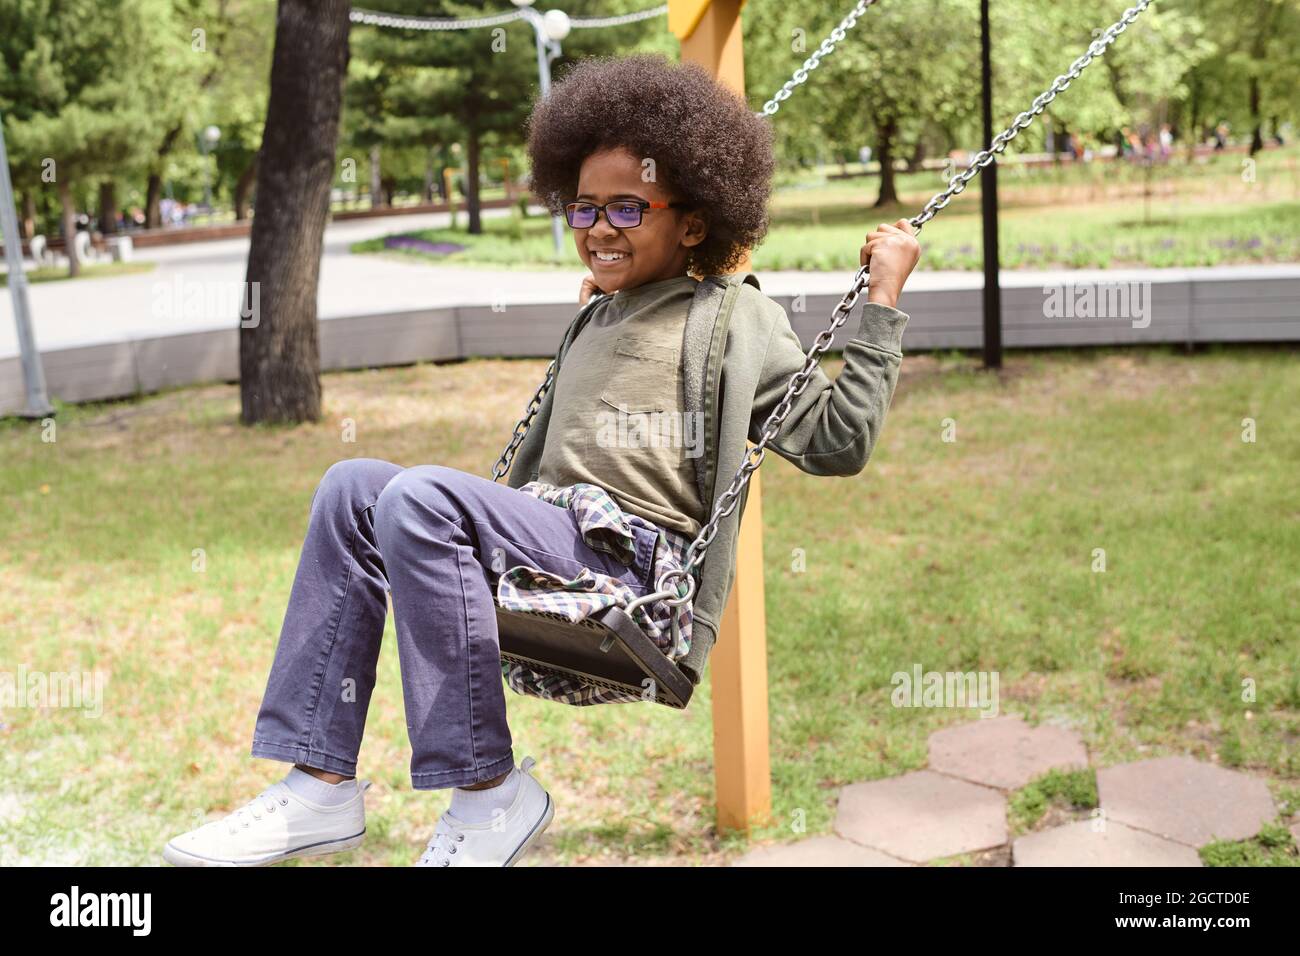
point(556, 24)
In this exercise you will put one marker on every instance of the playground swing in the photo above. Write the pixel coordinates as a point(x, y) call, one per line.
point(607, 648)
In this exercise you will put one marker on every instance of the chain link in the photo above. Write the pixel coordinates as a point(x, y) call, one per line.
point(827, 47)
point(374, 19)
point(590, 22)
point(985, 156)
point(839, 315)
point(522, 426)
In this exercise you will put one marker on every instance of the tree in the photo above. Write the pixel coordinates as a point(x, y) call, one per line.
point(78, 84)
point(279, 353)
point(1254, 68)
point(902, 72)
point(430, 89)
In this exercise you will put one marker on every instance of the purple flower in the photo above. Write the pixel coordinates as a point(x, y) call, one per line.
point(422, 245)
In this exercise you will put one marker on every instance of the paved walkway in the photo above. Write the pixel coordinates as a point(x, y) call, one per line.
point(1152, 812)
point(179, 295)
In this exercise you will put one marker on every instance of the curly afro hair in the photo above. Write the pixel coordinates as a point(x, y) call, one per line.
point(708, 146)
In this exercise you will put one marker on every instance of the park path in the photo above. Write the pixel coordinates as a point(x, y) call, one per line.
point(121, 308)
point(1154, 812)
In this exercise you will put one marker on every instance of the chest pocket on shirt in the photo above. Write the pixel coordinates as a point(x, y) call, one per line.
point(642, 377)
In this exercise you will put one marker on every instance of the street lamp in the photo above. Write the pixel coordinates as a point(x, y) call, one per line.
point(550, 28)
point(209, 138)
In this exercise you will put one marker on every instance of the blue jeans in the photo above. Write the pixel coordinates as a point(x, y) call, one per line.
point(438, 539)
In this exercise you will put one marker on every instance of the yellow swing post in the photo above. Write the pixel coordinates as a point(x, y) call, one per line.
point(710, 35)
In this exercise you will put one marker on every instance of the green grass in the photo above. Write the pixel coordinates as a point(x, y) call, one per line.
point(1098, 216)
point(88, 271)
point(1272, 846)
point(967, 555)
point(1064, 790)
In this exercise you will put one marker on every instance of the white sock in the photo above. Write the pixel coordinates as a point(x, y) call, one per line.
point(477, 806)
point(318, 791)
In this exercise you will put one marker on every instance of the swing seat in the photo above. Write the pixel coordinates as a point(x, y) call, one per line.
point(607, 649)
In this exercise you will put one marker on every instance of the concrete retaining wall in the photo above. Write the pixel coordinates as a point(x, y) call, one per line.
point(1183, 310)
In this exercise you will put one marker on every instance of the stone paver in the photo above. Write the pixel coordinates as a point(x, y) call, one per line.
point(1156, 812)
point(817, 851)
point(1184, 799)
point(922, 815)
point(1004, 752)
point(1077, 844)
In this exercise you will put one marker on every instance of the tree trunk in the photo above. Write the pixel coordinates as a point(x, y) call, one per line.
point(107, 208)
point(279, 353)
point(243, 189)
point(471, 184)
point(1257, 134)
point(153, 192)
point(29, 215)
point(152, 198)
point(428, 176)
point(376, 179)
point(69, 227)
point(885, 153)
point(914, 164)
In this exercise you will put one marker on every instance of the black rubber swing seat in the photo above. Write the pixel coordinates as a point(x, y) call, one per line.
point(607, 649)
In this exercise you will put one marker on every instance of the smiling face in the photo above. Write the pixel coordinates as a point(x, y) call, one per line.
point(626, 258)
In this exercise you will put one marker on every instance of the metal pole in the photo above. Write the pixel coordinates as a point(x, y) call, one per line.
point(38, 404)
point(989, 207)
point(544, 84)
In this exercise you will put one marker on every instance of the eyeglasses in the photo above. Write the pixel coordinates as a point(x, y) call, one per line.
point(621, 213)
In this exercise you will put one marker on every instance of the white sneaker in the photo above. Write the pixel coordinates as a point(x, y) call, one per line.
point(275, 825)
point(500, 841)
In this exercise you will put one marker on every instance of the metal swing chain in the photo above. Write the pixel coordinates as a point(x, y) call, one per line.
point(839, 315)
point(521, 427)
point(827, 47)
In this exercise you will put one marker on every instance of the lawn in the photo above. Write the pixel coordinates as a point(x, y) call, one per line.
point(1214, 212)
point(973, 554)
point(96, 270)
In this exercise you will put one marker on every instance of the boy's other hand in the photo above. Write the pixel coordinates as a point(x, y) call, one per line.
point(589, 288)
point(892, 252)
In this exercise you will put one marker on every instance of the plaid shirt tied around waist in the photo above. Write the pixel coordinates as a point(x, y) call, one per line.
point(605, 527)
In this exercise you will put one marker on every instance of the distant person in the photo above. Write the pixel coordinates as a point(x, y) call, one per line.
point(1221, 136)
point(1136, 147)
point(1166, 140)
